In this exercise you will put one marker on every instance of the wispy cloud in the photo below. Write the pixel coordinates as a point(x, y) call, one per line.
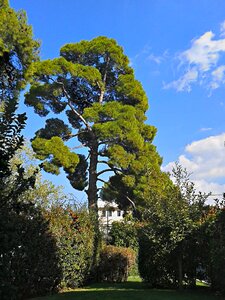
point(155, 58)
point(205, 129)
point(146, 54)
point(184, 82)
point(222, 29)
point(218, 77)
point(205, 159)
point(201, 63)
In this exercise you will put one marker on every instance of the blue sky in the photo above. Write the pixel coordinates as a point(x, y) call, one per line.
point(177, 49)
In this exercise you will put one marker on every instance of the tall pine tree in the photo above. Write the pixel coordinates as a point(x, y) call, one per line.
point(102, 106)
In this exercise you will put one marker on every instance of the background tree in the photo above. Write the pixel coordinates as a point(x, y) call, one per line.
point(170, 221)
point(23, 271)
point(18, 50)
point(212, 246)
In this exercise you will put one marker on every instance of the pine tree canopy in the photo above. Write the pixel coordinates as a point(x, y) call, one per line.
point(93, 85)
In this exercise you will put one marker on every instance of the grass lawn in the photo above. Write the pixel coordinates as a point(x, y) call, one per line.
point(132, 290)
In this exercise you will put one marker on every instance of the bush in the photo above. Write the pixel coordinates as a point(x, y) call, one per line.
point(74, 236)
point(115, 263)
point(124, 233)
point(154, 264)
point(217, 252)
point(29, 264)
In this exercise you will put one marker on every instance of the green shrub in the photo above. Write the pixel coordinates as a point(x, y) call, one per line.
point(217, 252)
point(74, 236)
point(124, 233)
point(115, 263)
point(154, 264)
point(29, 264)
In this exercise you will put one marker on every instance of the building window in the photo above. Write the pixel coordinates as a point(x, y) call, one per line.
point(110, 213)
point(104, 213)
point(118, 213)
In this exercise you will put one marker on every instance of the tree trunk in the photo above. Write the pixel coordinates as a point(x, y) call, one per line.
point(92, 188)
point(92, 193)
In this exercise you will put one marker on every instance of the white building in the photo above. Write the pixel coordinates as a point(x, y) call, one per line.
point(108, 212)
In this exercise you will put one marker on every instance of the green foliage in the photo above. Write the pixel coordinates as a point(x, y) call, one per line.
point(214, 247)
point(28, 257)
point(74, 236)
point(94, 85)
point(154, 262)
point(69, 226)
point(124, 233)
point(10, 137)
point(78, 179)
point(170, 219)
point(115, 263)
point(62, 156)
point(24, 270)
point(17, 51)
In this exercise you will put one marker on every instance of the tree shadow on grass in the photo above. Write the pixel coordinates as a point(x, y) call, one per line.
point(134, 291)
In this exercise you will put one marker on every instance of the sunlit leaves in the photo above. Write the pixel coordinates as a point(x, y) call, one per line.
point(58, 153)
point(17, 50)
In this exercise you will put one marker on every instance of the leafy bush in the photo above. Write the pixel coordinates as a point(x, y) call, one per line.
point(74, 236)
point(115, 263)
point(217, 252)
point(124, 233)
point(154, 262)
point(29, 264)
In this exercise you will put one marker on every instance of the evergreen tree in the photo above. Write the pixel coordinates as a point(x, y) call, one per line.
point(104, 110)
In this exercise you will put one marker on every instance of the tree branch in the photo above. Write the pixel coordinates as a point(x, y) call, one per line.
point(71, 106)
point(78, 147)
point(88, 156)
point(132, 202)
point(80, 116)
point(107, 141)
point(115, 170)
point(72, 135)
point(104, 81)
point(103, 181)
point(104, 162)
point(128, 198)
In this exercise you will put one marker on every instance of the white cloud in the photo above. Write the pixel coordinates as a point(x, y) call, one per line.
point(218, 77)
point(222, 29)
point(155, 58)
point(184, 82)
point(147, 55)
point(205, 129)
point(204, 52)
point(205, 159)
point(210, 187)
point(201, 63)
